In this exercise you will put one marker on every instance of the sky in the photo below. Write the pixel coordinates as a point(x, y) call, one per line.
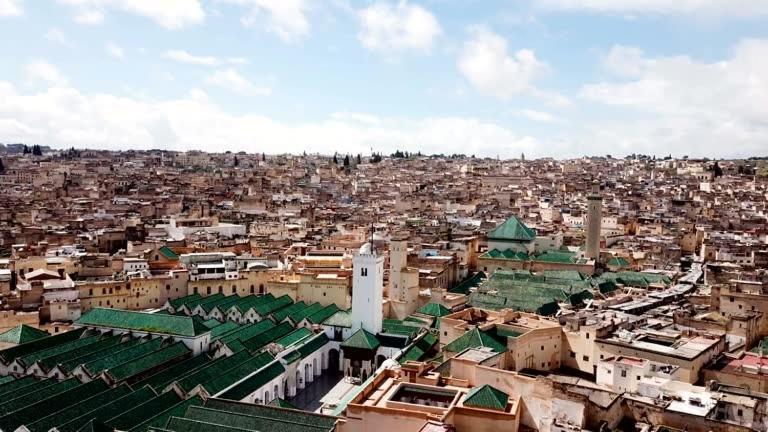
point(544, 78)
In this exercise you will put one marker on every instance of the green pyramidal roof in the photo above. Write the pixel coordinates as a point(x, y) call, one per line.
point(362, 340)
point(512, 229)
point(22, 334)
point(474, 339)
point(434, 309)
point(487, 397)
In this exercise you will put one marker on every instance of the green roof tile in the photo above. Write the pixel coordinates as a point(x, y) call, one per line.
point(143, 412)
point(512, 229)
point(475, 339)
point(130, 353)
point(10, 405)
point(361, 339)
point(254, 382)
point(149, 362)
point(434, 309)
point(292, 416)
point(487, 397)
point(341, 318)
point(79, 408)
point(108, 409)
point(22, 334)
point(160, 380)
point(237, 373)
point(9, 354)
point(161, 419)
point(52, 404)
point(262, 339)
point(212, 370)
point(174, 325)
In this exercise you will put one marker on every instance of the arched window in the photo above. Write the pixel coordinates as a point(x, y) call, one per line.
point(252, 289)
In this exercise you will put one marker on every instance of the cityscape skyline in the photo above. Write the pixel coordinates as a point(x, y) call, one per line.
point(543, 77)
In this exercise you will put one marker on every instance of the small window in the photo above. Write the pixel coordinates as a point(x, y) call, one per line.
point(573, 354)
point(587, 335)
point(363, 271)
point(623, 374)
point(739, 412)
point(542, 347)
point(585, 358)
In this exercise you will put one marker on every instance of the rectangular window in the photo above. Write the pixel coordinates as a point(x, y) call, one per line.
point(363, 271)
point(585, 358)
point(623, 374)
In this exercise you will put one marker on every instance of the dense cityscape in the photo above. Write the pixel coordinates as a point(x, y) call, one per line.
point(174, 291)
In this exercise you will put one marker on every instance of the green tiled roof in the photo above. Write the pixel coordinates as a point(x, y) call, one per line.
point(361, 340)
point(184, 424)
point(149, 362)
point(161, 418)
point(247, 331)
point(467, 284)
point(78, 409)
point(262, 339)
point(52, 389)
point(108, 409)
point(296, 317)
point(524, 291)
point(212, 370)
point(168, 253)
point(22, 334)
point(212, 323)
point(275, 305)
point(162, 379)
point(252, 301)
point(434, 309)
point(618, 262)
point(283, 313)
point(323, 314)
point(512, 229)
point(276, 422)
point(78, 352)
point(254, 382)
point(341, 318)
point(178, 302)
point(96, 366)
point(29, 359)
point(294, 337)
point(143, 322)
point(70, 365)
point(313, 345)
point(143, 412)
point(475, 339)
point(560, 257)
point(295, 417)
point(10, 354)
point(223, 329)
point(487, 397)
point(419, 348)
point(507, 254)
point(237, 373)
point(15, 386)
point(51, 404)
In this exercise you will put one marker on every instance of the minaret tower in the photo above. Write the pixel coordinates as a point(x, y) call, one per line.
point(594, 220)
point(367, 289)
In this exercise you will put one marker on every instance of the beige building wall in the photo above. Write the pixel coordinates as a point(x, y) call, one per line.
point(10, 319)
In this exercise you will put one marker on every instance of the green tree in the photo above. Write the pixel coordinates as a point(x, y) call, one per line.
point(335, 159)
point(2, 167)
point(346, 160)
point(37, 151)
point(359, 159)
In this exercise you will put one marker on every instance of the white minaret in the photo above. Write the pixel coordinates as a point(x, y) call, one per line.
point(594, 220)
point(367, 290)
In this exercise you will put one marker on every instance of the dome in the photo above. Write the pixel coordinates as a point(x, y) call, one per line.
point(366, 249)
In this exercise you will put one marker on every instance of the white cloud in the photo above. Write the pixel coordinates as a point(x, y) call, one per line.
point(56, 35)
point(385, 27)
point(285, 18)
point(486, 63)
point(741, 8)
point(10, 8)
point(41, 70)
point(115, 51)
point(171, 14)
point(538, 116)
point(64, 117)
point(89, 17)
point(688, 105)
point(231, 80)
point(183, 56)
